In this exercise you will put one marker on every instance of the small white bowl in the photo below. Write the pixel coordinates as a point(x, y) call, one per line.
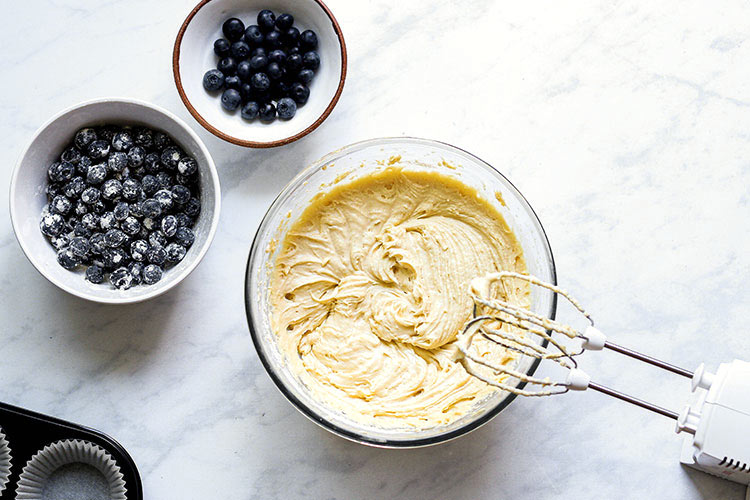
point(194, 55)
point(27, 195)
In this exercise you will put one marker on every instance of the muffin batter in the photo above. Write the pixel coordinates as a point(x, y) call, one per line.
point(370, 289)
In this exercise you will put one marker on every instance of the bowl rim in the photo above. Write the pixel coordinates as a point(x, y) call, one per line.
point(242, 142)
point(309, 412)
point(35, 262)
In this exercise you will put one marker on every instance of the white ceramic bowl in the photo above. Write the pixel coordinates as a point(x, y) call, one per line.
point(27, 195)
point(353, 162)
point(194, 55)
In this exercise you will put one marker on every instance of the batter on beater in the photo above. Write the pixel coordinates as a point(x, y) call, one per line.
point(369, 291)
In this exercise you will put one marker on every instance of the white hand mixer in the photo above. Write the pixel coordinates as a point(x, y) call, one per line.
point(717, 440)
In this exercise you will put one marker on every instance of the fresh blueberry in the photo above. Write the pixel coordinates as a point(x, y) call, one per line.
point(74, 188)
point(150, 223)
point(169, 225)
point(114, 257)
point(96, 174)
point(61, 204)
point(266, 20)
point(67, 259)
point(114, 238)
point(106, 132)
point(221, 48)
point(131, 188)
point(121, 211)
point(96, 243)
point(161, 140)
point(240, 50)
point(52, 224)
point(233, 29)
point(84, 137)
point(260, 82)
point(117, 161)
point(130, 226)
point(98, 149)
point(311, 60)
point(273, 40)
point(164, 179)
point(149, 184)
point(151, 163)
point(232, 82)
point(80, 246)
point(308, 39)
point(143, 137)
point(136, 156)
point(259, 61)
point(277, 56)
point(164, 197)
point(291, 36)
point(268, 112)
point(246, 92)
point(294, 50)
point(300, 93)
point(293, 62)
point(244, 70)
point(180, 194)
point(213, 80)
point(136, 270)
point(183, 220)
point(79, 228)
point(156, 255)
point(122, 141)
point(151, 208)
point(253, 35)
point(193, 207)
point(157, 239)
point(97, 207)
point(60, 241)
point(83, 165)
point(258, 51)
point(121, 278)
point(95, 274)
point(64, 171)
point(138, 250)
point(228, 66)
point(274, 71)
point(71, 155)
point(184, 236)
point(111, 189)
point(287, 108)
point(170, 157)
point(91, 221)
point(231, 99)
point(305, 76)
point(187, 166)
point(250, 110)
point(151, 274)
point(107, 221)
point(90, 195)
point(175, 252)
point(284, 21)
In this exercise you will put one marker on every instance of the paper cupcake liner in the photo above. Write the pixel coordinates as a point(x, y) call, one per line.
point(70, 451)
point(4, 461)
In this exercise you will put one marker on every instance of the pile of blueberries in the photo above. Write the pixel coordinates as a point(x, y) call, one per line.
point(122, 201)
point(264, 68)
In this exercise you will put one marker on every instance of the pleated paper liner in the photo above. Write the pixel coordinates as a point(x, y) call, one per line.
point(4, 461)
point(63, 470)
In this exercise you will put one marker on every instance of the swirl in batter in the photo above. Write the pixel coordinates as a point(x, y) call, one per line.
point(370, 289)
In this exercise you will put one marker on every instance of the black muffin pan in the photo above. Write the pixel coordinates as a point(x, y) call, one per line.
point(28, 432)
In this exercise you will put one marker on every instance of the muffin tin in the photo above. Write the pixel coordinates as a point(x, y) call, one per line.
point(36, 447)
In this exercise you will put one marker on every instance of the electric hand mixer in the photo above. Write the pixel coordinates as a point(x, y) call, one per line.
point(719, 443)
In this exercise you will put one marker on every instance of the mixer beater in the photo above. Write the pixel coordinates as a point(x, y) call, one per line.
point(717, 441)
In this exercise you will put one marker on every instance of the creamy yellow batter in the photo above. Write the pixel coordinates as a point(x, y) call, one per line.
point(370, 289)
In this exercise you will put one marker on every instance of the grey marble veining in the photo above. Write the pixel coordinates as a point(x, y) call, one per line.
point(626, 125)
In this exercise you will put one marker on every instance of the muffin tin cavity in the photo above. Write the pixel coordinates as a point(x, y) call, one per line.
point(57, 460)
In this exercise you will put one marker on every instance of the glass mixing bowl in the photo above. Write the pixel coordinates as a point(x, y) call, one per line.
point(361, 159)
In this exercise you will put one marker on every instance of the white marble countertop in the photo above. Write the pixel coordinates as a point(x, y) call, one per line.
point(626, 125)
